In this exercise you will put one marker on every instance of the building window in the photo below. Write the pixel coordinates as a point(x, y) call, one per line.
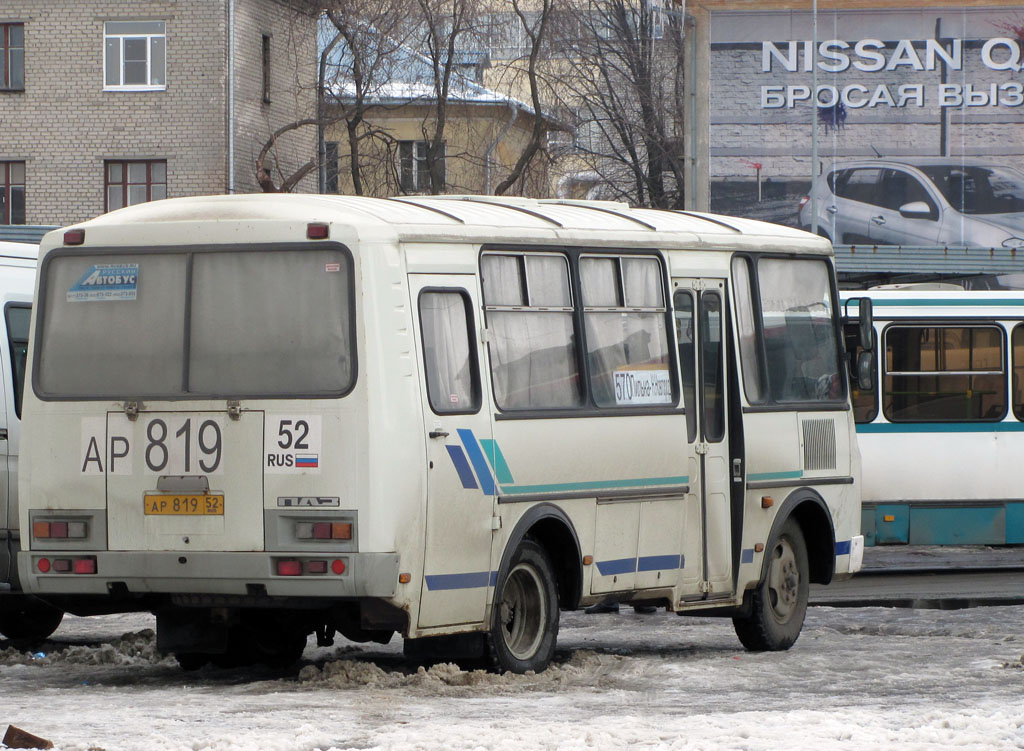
point(266, 68)
point(12, 56)
point(330, 166)
point(12, 192)
point(135, 56)
point(129, 183)
point(413, 162)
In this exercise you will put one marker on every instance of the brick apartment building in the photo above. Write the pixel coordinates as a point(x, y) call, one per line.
point(105, 104)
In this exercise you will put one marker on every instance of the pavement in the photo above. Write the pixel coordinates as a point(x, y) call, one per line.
point(915, 576)
point(922, 558)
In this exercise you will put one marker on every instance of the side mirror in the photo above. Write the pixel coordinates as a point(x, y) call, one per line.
point(916, 210)
point(866, 319)
point(866, 371)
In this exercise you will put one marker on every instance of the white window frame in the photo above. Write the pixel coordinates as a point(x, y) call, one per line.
point(122, 38)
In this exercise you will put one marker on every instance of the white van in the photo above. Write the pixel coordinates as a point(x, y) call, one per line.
point(20, 615)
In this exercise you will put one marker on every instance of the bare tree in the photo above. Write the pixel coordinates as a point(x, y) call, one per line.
point(624, 80)
point(536, 27)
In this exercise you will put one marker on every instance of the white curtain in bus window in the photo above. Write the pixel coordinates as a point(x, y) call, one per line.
point(627, 341)
point(271, 323)
point(745, 323)
point(944, 373)
point(799, 334)
point(687, 338)
point(531, 336)
point(447, 354)
point(112, 326)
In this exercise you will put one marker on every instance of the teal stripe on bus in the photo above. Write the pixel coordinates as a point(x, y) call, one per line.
point(497, 460)
point(951, 303)
point(793, 475)
point(940, 427)
point(561, 487)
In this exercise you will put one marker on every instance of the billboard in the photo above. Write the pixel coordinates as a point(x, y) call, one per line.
point(883, 127)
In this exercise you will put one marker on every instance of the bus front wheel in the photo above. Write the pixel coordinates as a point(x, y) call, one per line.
point(779, 603)
point(524, 620)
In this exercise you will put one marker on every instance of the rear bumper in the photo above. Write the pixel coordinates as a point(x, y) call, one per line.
point(236, 573)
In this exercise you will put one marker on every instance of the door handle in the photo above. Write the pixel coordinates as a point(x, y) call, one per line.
point(832, 209)
point(3, 434)
point(878, 219)
point(438, 434)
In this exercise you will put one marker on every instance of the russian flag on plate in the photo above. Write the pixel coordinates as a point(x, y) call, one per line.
point(307, 460)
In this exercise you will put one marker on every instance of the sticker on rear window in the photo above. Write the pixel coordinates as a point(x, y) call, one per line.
point(107, 281)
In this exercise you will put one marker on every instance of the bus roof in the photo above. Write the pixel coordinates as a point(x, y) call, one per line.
point(466, 219)
point(20, 251)
point(930, 303)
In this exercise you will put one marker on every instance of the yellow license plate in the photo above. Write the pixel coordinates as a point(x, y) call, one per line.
point(184, 505)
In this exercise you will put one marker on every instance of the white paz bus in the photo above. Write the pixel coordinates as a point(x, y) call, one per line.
point(266, 416)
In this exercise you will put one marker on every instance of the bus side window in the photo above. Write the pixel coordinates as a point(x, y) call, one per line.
point(1017, 342)
point(448, 353)
point(683, 303)
point(746, 318)
point(17, 338)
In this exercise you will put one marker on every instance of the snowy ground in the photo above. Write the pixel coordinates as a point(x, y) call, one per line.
point(857, 679)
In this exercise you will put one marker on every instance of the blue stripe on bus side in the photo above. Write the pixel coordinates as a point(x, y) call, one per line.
point(618, 566)
point(940, 427)
point(843, 548)
point(476, 456)
point(658, 562)
point(497, 460)
point(462, 467)
point(475, 580)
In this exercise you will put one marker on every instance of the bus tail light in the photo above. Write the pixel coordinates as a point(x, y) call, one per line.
point(80, 565)
point(309, 566)
point(323, 531)
point(59, 530)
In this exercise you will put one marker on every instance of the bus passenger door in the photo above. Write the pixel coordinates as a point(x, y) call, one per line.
point(459, 483)
point(700, 327)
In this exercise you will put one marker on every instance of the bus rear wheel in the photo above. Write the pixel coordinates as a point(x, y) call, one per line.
point(25, 618)
point(779, 603)
point(524, 620)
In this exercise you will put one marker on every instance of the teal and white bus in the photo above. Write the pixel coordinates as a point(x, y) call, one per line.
point(262, 417)
point(942, 431)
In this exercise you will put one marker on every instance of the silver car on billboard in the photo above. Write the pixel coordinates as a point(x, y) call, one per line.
point(935, 201)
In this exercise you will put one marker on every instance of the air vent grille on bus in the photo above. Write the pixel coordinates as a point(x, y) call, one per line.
point(819, 444)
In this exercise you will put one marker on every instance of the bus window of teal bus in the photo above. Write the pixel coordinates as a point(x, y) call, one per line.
point(801, 347)
point(746, 323)
point(944, 373)
point(627, 337)
point(531, 335)
point(449, 361)
point(1017, 344)
point(865, 403)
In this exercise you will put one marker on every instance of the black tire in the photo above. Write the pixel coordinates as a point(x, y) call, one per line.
point(524, 619)
point(190, 661)
point(26, 618)
point(779, 603)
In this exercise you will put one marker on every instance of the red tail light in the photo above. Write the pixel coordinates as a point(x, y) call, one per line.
point(804, 200)
point(85, 565)
point(289, 568)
